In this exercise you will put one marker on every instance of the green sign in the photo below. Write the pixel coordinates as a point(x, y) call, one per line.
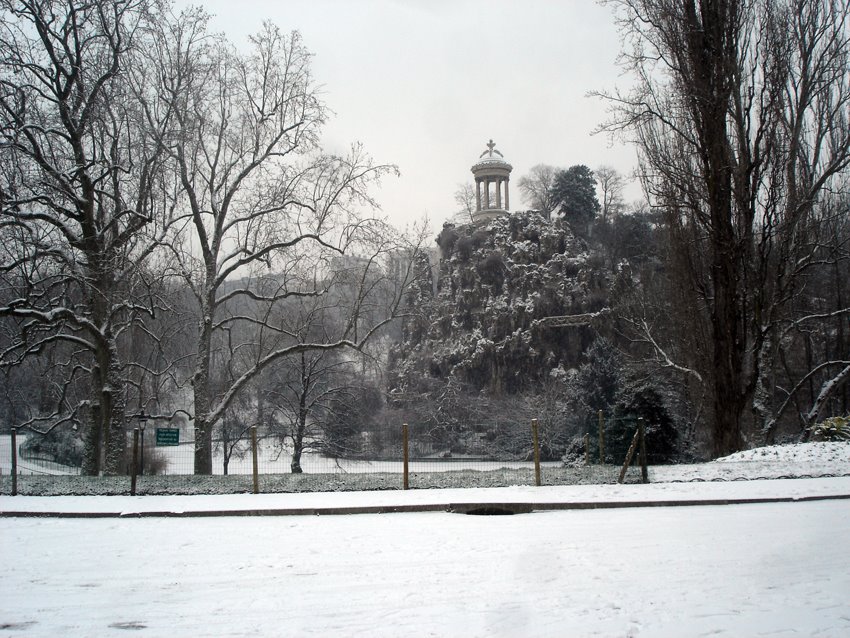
point(167, 436)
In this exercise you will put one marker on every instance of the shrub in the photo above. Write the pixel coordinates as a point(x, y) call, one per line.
point(446, 240)
point(575, 453)
point(479, 238)
point(491, 269)
point(465, 246)
point(155, 461)
point(835, 428)
point(662, 439)
point(60, 445)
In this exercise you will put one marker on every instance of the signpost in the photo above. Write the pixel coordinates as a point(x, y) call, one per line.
point(167, 436)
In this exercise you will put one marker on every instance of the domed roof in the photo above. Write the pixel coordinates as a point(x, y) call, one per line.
point(491, 158)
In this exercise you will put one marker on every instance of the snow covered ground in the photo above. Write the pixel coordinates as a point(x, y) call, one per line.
point(740, 570)
point(757, 569)
point(821, 458)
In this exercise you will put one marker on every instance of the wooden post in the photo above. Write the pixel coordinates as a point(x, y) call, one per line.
point(133, 463)
point(536, 440)
point(254, 458)
point(601, 438)
point(14, 461)
point(629, 455)
point(587, 449)
point(405, 439)
point(644, 470)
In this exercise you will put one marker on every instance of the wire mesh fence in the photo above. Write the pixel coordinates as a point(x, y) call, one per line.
point(380, 450)
point(387, 457)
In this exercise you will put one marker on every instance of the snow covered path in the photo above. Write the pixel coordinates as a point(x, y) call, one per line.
point(741, 570)
point(580, 495)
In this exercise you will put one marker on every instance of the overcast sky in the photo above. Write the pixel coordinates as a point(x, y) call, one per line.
point(424, 84)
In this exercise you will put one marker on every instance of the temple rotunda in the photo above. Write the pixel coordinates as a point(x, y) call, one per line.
point(493, 173)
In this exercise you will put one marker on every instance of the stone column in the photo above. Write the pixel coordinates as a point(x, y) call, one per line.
point(486, 193)
point(477, 194)
point(507, 197)
point(499, 193)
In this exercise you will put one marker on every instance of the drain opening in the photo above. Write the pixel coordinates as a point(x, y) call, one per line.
point(506, 509)
point(490, 511)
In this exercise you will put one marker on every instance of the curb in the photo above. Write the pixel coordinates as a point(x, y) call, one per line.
point(456, 508)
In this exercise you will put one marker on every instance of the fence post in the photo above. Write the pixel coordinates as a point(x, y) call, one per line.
point(406, 452)
point(14, 461)
point(587, 448)
point(133, 462)
point(629, 455)
point(254, 458)
point(601, 438)
point(644, 470)
point(536, 439)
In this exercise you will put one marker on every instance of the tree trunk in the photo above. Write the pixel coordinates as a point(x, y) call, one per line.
point(226, 450)
point(711, 53)
point(202, 398)
point(763, 408)
point(203, 433)
point(298, 439)
point(112, 411)
point(297, 449)
point(842, 344)
point(728, 373)
point(92, 442)
point(105, 441)
point(104, 444)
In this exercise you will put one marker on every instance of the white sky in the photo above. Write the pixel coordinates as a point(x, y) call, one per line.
point(424, 84)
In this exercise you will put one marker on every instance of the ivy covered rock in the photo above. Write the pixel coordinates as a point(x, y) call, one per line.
point(495, 286)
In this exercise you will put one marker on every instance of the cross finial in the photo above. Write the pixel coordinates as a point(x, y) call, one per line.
point(491, 146)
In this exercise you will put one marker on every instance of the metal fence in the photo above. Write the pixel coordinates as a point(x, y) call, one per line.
point(390, 457)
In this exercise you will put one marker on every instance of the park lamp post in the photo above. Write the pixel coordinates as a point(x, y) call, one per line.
point(143, 421)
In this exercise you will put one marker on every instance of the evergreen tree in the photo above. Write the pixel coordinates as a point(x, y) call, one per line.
point(575, 189)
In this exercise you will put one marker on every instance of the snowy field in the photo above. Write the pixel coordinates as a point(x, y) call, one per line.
point(738, 570)
point(757, 569)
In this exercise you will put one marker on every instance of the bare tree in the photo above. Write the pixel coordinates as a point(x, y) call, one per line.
point(258, 196)
point(296, 393)
point(813, 362)
point(537, 188)
point(466, 202)
point(611, 185)
point(297, 400)
point(740, 116)
point(77, 203)
point(299, 395)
